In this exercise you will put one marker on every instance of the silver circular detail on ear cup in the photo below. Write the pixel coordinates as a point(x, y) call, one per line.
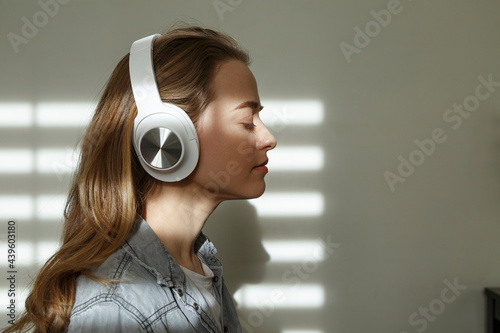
point(161, 148)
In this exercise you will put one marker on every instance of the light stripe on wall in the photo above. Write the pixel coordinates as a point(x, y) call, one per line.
point(14, 161)
point(289, 204)
point(294, 250)
point(281, 296)
point(63, 114)
point(296, 158)
point(16, 114)
point(16, 206)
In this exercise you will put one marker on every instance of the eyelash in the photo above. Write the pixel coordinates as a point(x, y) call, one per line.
point(249, 126)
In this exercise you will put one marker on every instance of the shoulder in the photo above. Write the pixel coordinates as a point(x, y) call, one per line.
point(106, 317)
point(128, 304)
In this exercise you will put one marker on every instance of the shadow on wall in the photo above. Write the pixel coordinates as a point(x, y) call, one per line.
point(235, 232)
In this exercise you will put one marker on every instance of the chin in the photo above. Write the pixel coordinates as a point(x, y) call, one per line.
point(250, 193)
point(257, 192)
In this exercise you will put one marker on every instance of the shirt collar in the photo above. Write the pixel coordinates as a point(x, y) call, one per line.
point(147, 249)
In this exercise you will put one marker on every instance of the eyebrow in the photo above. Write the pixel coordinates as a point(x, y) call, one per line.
point(250, 104)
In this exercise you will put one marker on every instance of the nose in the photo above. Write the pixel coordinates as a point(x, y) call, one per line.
point(267, 141)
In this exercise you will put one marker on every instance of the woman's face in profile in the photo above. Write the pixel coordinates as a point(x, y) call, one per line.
point(233, 140)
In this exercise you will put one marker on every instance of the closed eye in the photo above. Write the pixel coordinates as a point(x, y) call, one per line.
point(249, 126)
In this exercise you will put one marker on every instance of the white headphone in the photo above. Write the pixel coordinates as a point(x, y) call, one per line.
point(164, 136)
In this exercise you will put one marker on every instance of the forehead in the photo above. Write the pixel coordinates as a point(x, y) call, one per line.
point(234, 82)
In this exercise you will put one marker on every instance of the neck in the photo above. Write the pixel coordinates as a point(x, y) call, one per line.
point(177, 214)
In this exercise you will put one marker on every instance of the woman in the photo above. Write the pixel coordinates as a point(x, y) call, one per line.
point(133, 258)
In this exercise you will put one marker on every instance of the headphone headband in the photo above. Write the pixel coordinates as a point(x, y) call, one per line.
point(141, 67)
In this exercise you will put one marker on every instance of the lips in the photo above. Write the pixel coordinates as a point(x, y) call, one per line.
point(261, 167)
point(262, 164)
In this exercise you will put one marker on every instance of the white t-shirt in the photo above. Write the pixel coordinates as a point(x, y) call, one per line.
point(204, 284)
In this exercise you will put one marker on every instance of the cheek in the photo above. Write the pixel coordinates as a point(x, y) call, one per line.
point(211, 151)
point(246, 151)
point(220, 151)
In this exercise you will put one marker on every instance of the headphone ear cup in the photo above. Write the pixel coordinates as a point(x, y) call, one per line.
point(167, 144)
point(161, 148)
point(164, 136)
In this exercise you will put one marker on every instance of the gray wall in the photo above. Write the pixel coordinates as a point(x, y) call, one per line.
point(394, 229)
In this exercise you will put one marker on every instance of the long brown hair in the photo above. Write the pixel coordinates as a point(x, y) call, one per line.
point(109, 186)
